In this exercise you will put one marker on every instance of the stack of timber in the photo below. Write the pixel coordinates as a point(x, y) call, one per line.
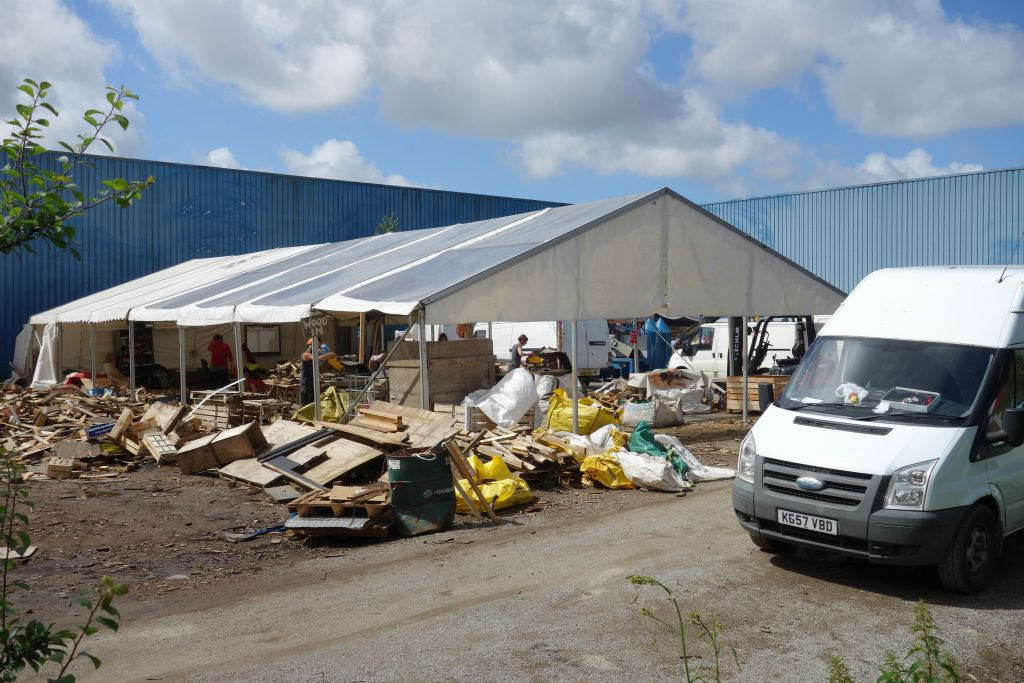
point(734, 391)
point(529, 454)
point(225, 409)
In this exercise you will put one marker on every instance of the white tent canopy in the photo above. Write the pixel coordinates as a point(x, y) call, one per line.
point(625, 257)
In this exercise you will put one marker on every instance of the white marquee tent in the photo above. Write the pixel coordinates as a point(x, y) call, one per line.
point(616, 258)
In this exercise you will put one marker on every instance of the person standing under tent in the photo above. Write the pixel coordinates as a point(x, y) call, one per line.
point(220, 361)
point(519, 353)
point(324, 354)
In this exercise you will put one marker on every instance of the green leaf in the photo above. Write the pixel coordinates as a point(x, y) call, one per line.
point(106, 143)
point(27, 89)
point(108, 622)
point(83, 601)
point(92, 658)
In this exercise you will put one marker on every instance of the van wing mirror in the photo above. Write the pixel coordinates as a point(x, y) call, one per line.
point(1012, 433)
point(688, 349)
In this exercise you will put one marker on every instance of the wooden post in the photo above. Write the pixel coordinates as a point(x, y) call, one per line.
point(314, 349)
point(92, 352)
point(362, 337)
point(459, 461)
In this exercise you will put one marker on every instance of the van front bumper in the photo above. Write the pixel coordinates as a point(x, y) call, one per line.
point(901, 537)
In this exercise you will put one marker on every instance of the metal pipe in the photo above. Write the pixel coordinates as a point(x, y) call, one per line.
point(239, 357)
point(131, 357)
point(182, 385)
point(424, 368)
point(575, 381)
point(92, 352)
point(314, 349)
point(746, 365)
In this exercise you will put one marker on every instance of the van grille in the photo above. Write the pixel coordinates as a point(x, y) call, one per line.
point(843, 488)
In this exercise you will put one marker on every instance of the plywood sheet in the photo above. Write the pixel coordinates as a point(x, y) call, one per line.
point(250, 471)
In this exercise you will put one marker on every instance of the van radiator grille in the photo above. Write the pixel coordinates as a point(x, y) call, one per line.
point(843, 488)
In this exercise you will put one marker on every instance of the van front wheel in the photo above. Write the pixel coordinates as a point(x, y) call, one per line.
point(769, 545)
point(971, 558)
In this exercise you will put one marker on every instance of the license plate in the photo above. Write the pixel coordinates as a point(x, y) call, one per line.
point(823, 525)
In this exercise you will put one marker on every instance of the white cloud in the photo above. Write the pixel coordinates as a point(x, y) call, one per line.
point(887, 67)
point(340, 160)
point(222, 157)
point(916, 163)
point(45, 40)
point(294, 58)
point(567, 85)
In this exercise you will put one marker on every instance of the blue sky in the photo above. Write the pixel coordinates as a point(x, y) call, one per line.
point(565, 100)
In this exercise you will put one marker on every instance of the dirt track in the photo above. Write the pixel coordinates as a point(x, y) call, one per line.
point(545, 597)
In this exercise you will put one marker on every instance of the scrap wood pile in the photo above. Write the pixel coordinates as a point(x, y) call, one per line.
point(530, 454)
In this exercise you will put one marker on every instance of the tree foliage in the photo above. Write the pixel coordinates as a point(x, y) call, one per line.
point(38, 204)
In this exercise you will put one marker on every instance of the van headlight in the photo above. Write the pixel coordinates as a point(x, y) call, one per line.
point(908, 486)
point(746, 466)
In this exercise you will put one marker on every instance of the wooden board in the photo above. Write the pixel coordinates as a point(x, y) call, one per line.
point(250, 471)
point(734, 391)
point(367, 435)
point(343, 456)
point(411, 414)
point(160, 447)
point(282, 432)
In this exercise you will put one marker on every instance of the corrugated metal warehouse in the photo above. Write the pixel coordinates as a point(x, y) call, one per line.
point(843, 234)
point(197, 211)
point(192, 211)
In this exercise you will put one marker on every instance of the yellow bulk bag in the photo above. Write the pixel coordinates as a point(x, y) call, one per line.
point(500, 494)
point(496, 483)
point(604, 469)
point(333, 405)
point(592, 415)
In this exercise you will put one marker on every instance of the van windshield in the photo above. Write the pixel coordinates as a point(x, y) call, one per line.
point(888, 379)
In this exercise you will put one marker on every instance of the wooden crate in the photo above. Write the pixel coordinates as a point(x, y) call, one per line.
point(734, 391)
point(456, 368)
point(221, 411)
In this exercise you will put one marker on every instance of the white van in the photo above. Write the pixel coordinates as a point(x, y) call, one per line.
point(708, 350)
point(898, 439)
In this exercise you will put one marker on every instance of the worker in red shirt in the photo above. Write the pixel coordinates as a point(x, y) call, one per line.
point(220, 361)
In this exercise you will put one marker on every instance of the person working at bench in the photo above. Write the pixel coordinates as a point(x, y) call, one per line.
point(306, 377)
point(220, 361)
point(519, 353)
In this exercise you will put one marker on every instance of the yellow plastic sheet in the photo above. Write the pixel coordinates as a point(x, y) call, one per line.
point(496, 483)
point(333, 404)
point(592, 415)
point(605, 470)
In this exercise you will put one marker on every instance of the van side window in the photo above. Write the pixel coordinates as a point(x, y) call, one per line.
point(1011, 391)
point(705, 339)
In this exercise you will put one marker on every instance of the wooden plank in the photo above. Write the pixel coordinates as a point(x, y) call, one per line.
point(250, 471)
point(381, 416)
point(282, 432)
point(510, 460)
point(375, 425)
point(365, 435)
point(459, 462)
point(117, 431)
point(342, 457)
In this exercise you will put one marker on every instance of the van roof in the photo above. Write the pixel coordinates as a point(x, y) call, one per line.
point(971, 305)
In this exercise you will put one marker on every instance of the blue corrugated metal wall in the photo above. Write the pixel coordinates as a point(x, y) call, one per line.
point(843, 234)
point(194, 211)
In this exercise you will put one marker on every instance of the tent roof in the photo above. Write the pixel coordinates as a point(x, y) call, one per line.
point(623, 257)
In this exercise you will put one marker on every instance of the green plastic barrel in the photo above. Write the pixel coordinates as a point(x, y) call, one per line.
point(422, 493)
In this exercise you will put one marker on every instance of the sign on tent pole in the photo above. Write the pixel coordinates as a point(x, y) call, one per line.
point(316, 325)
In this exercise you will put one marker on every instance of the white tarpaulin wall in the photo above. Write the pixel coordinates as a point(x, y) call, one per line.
point(624, 257)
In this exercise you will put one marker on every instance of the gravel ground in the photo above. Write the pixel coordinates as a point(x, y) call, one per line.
point(545, 597)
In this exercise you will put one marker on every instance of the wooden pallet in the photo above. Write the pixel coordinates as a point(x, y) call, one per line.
point(340, 504)
point(734, 391)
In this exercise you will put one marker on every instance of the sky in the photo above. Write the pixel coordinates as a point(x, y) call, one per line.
point(560, 100)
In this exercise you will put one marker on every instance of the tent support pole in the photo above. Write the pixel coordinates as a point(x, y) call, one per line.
point(383, 335)
point(575, 381)
point(746, 366)
point(490, 330)
point(239, 358)
point(181, 366)
point(131, 356)
point(362, 338)
point(636, 348)
point(314, 350)
point(424, 374)
point(92, 352)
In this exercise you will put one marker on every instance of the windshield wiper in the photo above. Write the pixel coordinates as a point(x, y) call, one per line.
point(911, 416)
point(829, 404)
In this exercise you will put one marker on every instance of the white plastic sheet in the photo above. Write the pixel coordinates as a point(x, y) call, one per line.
point(21, 364)
point(650, 472)
point(508, 400)
point(697, 471)
point(48, 365)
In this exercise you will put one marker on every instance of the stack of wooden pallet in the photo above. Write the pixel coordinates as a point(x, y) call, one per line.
point(528, 454)
point(225, 410)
